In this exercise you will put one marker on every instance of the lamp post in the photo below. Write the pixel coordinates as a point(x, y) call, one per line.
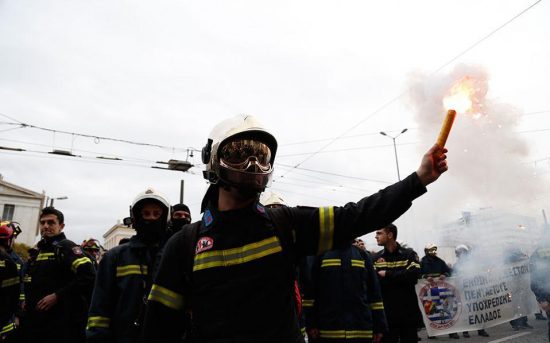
point(60, 198)
point(395, 148)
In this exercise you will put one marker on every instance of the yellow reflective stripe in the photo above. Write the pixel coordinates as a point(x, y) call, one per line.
point(7, 328)
point(414, 265)
point(76, 263)
point(18, 267)
point(44, 256)
point(345, 333)
point(331, 262)
point(166, 297)
point(395, 264)
point(358, 263)
point(22, 296)
point(303, 331)
point(131, 269)
point(27, 278)
point(377, 306)
point(10, 282)
point(308, 302)
point(2, 263)
point(240, 255)
point(98, 322)
point(326, 228)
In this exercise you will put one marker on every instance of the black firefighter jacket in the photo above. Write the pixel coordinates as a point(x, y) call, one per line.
point(122, 284)
point(346, 297)
point(398, 286)
point(240, 283)
point(61, 267)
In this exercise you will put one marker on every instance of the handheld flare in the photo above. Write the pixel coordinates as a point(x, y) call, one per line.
point(446, 128)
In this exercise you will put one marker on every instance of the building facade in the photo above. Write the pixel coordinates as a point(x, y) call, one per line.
point(23, 206)
point(113, 236)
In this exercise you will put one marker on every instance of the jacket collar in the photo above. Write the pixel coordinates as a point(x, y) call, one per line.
point(211, 214)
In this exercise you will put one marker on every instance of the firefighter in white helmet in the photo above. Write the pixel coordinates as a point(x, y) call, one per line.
point(234, 268)
point(124, 275)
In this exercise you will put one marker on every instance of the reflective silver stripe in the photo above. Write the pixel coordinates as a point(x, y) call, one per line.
point(166, 297)
point(76, 263)
point(240, 255)
point(308, 302)
point(131, 269)
point(44, 256)
point(331, 262)
point(98, 322)
point(10, 282)
point(345, 333)
point(358, 263)
point(7, 328)
point(326, 228)
point(377, 306)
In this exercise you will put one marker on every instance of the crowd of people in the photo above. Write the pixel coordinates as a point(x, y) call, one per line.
point(245, 272)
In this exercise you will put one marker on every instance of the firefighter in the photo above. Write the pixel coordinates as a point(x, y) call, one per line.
point(431, 266)
point(347, 303)
point(60, 287)
point(180, 216)
point(10, 281)
point(93, 249)
point(398, 269)
point(125, 272)
point(235, 268)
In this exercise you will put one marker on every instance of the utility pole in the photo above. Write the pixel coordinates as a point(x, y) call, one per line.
point(182, 188)
point(395, 149)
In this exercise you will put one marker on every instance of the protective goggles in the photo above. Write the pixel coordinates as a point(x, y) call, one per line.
point(242, 154)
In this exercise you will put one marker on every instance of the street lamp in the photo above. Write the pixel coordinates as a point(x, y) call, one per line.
point(60, 198)
point(395, 148)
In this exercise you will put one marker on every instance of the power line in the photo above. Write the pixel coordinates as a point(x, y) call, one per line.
point(335, 174)
point(386, 104)
point(96, 138)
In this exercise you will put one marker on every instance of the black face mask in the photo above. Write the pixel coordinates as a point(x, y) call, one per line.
point(177, 224)
point(149, 230)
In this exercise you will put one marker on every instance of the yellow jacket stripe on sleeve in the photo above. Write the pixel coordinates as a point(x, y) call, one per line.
point(78, 262)
point(166, 297)
point(326, 229)
point(98, 322)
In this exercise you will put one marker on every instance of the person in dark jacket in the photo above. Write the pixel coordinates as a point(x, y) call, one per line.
point(398, 269)
point(347, 302)
point(60, 287)
point(235, 270)
point(124, 275)
point(10, 281)
point(431, 266)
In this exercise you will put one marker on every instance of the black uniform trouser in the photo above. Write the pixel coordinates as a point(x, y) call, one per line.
point(548, 319)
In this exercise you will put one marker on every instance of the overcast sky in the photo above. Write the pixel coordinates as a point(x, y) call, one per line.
point(165, 72)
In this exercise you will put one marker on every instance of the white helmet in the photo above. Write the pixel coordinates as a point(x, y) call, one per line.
point(461, 248)
point(430, 246)
point(149, 194)
point(274, 199)
point(240, 152)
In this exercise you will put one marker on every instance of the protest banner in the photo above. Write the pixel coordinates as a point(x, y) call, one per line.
point(477, 299)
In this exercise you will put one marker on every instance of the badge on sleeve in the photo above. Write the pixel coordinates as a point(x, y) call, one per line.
point(204, 243)
point(77, 251)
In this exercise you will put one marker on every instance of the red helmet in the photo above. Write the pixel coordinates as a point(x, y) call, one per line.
point(8, 231)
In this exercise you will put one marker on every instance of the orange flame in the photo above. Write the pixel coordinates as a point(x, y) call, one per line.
point(460, 96)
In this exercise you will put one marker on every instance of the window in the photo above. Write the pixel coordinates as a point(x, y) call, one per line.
point(8, 212)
